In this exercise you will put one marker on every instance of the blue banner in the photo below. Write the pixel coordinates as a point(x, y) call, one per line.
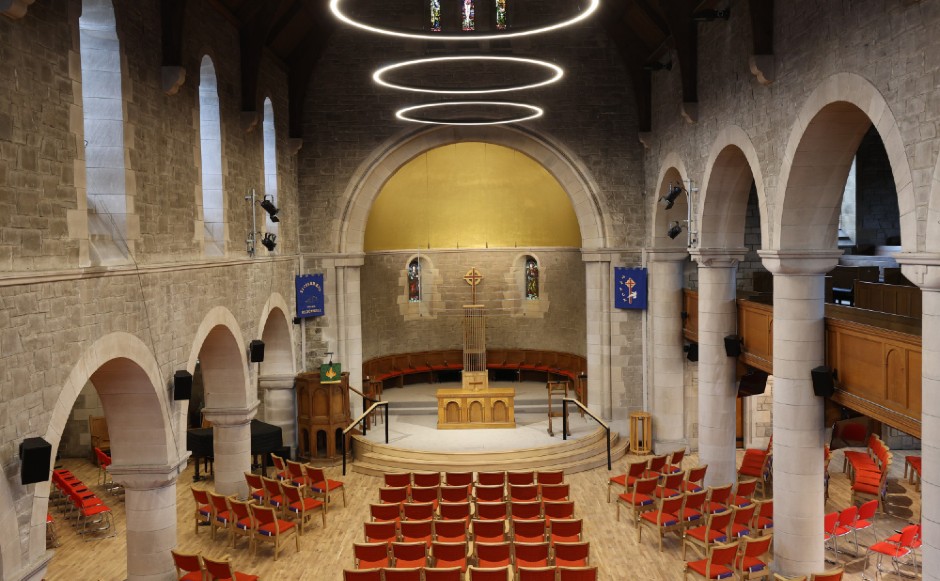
point(309, 295)
point(629, 288)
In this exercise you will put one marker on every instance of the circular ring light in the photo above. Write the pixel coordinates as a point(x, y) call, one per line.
point(467, 36)
point(533, 112)
point(556, 71)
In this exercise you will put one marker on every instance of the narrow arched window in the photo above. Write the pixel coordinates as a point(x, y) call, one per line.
point(436, 15)
point(501, 23)
point(414, 281)
point(467, 16)
point(531, 278)
point(210, 142)
point(270, 162)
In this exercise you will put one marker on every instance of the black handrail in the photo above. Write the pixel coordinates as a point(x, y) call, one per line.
point(564, 428)
point(363, 417)
point(365, 399)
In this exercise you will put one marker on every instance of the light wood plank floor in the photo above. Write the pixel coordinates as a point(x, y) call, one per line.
point(324, 553)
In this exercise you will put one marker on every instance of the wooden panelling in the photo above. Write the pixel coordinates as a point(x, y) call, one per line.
point(756, 327)
point(889, 298)
point(690, 308)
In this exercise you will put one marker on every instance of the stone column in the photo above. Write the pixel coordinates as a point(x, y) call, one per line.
point(924, 271)
point(717, 389)
point(799, 427)
point(667, 360)
point(597, 308)
point(349, 323)
point(231, 430)
point(150, 503)
point(277, 393)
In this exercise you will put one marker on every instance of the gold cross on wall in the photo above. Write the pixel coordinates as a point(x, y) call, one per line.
point(473, 278)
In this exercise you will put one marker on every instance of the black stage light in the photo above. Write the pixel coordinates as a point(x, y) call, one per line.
point(669, 200)
point(271, 209)
point(674, 230)
point(269, 241)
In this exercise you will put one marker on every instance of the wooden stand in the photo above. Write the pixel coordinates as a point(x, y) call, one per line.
point(322, 411)
point(560, 390)
point(641, 432)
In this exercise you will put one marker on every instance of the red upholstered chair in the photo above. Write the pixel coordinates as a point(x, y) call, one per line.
point(523, 492)
point(639, 499)
point(558, 510)
point(537, 573)
point(756, 464)
point(385, 512)
point(449, 555)
point(488, 531)
point(188, 567)
point(221, 515)
point(242, 523)
point(528, 530)
point(501, 574)
point(751, 562)
point(830, 575)
point(525, 510)
point(555, 492)
point(744, 493)
point(223, 571)
point(393, 494)
point(572, 554)
point(296, 474)
point(764, 517)
point(303, 508)
point(520, 477)
point(898, 547)
point(865, 519)
point(454, 493)
point(565, 530)
point(675, 461)
point(670, 485)
point(550, 477)
point(492, 510)
point(443, 574)
point(663, 520)
point(577, 573)
point(417, 511)
point(104, 477)
point(406, 555)
point(484, 493)
point(370, 555)
point(322, 486)
point(719, 497)
point(634, 472)
point(397, 479)
point(491, 478)
point(203, 508)
point(362, 575)
point(531, 555)
point(458, 478)
point(834, 530)
point(429, 494)
point(492, 555)
point(693, 504)
point(717, 565)
point(272, 490)
point(714, 532)
point(656, 465)
point(450, 531)
point(272, 529)
point(255, 487)
point(426, 478)
point(695, 479)
point(455, 511)
point(404, 574)
point(379, 532)
point(417, 531)
point(280, 467)
point(742, 521)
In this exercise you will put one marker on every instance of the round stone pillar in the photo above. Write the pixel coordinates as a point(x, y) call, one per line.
point(150, 504)
point(717, 389)
point(231, 432)
point(597, 299)
point(277, 393)
point(799, 428)
point(667, 360)
point(924, 271)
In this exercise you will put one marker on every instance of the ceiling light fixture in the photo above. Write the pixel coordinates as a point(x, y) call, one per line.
point(467, 36)
point(556, 74)
point(534, 112)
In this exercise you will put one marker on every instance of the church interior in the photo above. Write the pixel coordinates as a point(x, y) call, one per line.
point(469, 289)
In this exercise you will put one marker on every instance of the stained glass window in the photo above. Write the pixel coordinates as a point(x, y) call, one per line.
point(466, 15)
point(531, 278)
point(436, 15)
point(414, 281)
point(501, 14)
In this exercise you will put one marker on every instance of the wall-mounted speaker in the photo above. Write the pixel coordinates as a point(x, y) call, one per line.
point(256, 351)
point(35, 460)
point(754, 382)
point(823, 381)
point(182, 385)
point(691, 351)
point(733, 345)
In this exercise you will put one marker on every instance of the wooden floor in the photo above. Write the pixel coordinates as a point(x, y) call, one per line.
point(324, 553)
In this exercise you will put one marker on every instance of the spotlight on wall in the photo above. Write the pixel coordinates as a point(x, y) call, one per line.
point(269, 207)
point(269, 241)
point(669, 200)
point(674, 230)
point(691, 351)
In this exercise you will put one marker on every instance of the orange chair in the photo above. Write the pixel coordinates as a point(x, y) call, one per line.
point(566, 530)
point(242, 523)
point(695, 479)
point(520, 477)
point(450, 531)
point(379, 532)
point(385, 512)
point(223, 571)
point(488, 531)
point(717, 565)
point(362, 575)
point(417, 511)
point(664, 520)
point(865, 520)
point(751, 562)
point(572, 554)
point(692, 506)
point(483, 493)
point(455, 493)
point(491, 511)
point(744, 493)
point(443, 574)
point(104, 477)
point(221, 515)
point(897, 548)
point(449, 555)
point(555, 492)
point(523, 492)
point(417, 531)
point(296, 474)
point(543, 477)
point(640, 499)
point(558, 510)
point(274, 494)
point(458, 478)
point(492, 555)
point(756, 464)
point(491, 478)
point(718, 499)
point(256, 487)
point(529, 531)
point(321, 485)
point(501, 574)
point(203, 508)
point(393, 495)
point(537, 573)
point(531, 555)
point(455, 511)
point(426, 478)
point(397, 479)
point(302, 507)
point(429, 494)
point(188, 567)
point(525, 510)
point(764, 516)
point(577, 573)
point(634, 472)
point(406, 555)
point(742, 521)
point(404, 574)
point(272, 529)
point(704, 537)
point(370, 555)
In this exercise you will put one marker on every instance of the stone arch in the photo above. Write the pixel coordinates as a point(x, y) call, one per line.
point(933, 212)
point(732, 165)
point(223, 358)
point(816, 162)
point(364, 187)
point(276, 332)
point(672, 170)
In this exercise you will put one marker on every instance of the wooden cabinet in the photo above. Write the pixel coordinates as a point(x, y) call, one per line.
point(322, 415)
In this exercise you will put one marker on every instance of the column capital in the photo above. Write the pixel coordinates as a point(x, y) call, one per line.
point(666, 254)
point(148, 476)
point(922, 269)
point(231, 416)
point(718, 257)
point(276, 381)
point(799, 262)
point(596, 255)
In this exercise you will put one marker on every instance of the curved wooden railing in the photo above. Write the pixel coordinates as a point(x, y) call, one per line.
point(564, 427)
point(363, 417)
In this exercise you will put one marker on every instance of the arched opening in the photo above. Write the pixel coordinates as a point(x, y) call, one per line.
point(223, 370)
point(276, 372)
point(321, 444)
point(103, 114)
point(210, 144)
point(269, 142)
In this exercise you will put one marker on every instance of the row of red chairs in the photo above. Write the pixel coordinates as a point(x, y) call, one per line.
point(399, 554)
point(899, 546)
point(494, 478)
point(81, 503)
point(869, 470)
point(257, 522)
point(485, 531)
point(305, 476)
point(645, 492)
point(756, 464)
point(849, 521)
point(476, 492)
point(475, 574)
point(191, 567)
point(690, 480)
point(288, 498)
point(500, 510)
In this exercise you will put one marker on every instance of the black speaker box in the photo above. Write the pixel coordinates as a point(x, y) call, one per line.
point(823, 381)
point(691, 352)
point(35, 460)
point(754, 382)
point(256, 351)
point(733, 345)
point(182, 385)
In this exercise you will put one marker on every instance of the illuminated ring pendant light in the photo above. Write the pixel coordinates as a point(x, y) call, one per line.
point(467, 36)
point(556, 71)
point(533, 112)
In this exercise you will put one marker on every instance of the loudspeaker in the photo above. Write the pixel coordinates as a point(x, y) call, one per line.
point(823, 384)
point(35, 459)
point(691, 351)
point(733, 345)
point(182, 385)
point(256, 351)
point(754, 382)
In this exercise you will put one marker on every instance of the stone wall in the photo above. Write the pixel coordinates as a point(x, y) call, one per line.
point(76, 439)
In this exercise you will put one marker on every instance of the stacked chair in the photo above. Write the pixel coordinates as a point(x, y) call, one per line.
point(868, 471)
point(79, 503)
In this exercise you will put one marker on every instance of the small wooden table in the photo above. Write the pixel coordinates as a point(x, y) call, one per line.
point(558, 388)
point(641, 432)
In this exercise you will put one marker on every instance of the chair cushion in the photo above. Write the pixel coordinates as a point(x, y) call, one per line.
point(668, 520)
point(713, 536)
point(750, 564)
point(637, 499)
point(717, 571)
point(275, 528)
point(194, 576)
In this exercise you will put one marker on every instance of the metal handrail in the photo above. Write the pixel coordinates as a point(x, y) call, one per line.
point(564, 428)
point(363, 417)
point(365, 398)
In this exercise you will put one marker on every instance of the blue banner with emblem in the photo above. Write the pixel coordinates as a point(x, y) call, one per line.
point(629, 288)
point(309, 295)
